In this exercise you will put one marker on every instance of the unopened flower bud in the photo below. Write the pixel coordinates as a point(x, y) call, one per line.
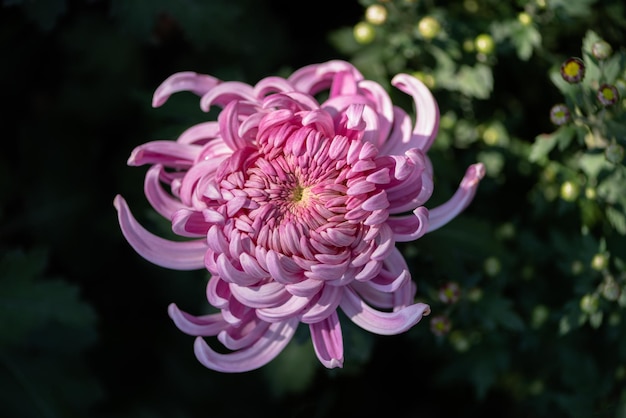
point(376, 14)
point(614, 153)
point(610, 288)
point(608, 94)
point(364, 33)
point(450, 293)
point(569, 191)
point(599, 262)
point(560, 114)
point(589, 303)
point(573, 70)
point(484, 43)
point(440, 325)
point(428, 27)
point(601, 50)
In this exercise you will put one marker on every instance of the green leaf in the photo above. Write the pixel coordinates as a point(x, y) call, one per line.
point(542, 146)
point(526, 39)
point(28, 302)
point(592, 164)
point(617, 219)
point(293, 370)
point(573, 8)
point(475, 81)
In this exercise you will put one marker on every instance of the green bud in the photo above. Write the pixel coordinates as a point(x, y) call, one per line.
point(589, 303)
point(601, 50)
point(614, 153)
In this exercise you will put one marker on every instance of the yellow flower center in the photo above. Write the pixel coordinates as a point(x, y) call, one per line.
point(572, 69)
point(608, 94)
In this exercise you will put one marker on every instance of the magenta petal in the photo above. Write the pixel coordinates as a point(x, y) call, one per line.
point(443, 214)
point(409, 227)
point(162, 201)
point(200, 133)
point(227, 92)
point(183, 81)
point(264, 350)
point(206, 325)
point(169, 153)
point(383, 323)
point(289, 309)
point(427, 121)
point(272, 85)
point(183, 255)
point(189, 223)
point(313, 78)
point(325, 306)
point(262, 296)
point(328, 341)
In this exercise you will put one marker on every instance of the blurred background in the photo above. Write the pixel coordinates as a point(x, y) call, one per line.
point(527, 286)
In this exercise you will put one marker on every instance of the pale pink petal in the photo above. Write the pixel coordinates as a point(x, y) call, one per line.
point(328, 341)
point(184, 81)
point(232, 274)
point(383, 323)
point(205, 325)
point(383, 106)
point(265, 295)
point(306, 288)
point(399, 140)
point(168, 153)
point(162, 201)
point(427, 118)
point(409, 227)
point(200, 133)
point(289, 309)
point(326, 305)
point(227, 92)
point(189, 223)
point(444, 213)
point(264, 350)
point(243, 335)
point(272, 85)
point(313, 78)
point(183, 255)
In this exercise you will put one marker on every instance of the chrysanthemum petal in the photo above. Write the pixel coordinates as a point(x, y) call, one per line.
point(265, 295)
point(188, 255)
point(272, 85)
point(183, 81)
point(444, 213)
point(243, 335)
point(264, 350)
point(427, 119)
point(169, 153)
point(289, 309)
point(205, 325)
point(162, 201)
point(227, 92)
point(313, 78)
point(189, 223)
point(326, 305)
point(383, 323)
point(409, 227)
point(328, 341)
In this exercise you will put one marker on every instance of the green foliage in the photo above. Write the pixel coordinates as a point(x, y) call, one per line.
point(44, 331)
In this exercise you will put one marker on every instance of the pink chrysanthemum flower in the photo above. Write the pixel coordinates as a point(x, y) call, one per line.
point(294, 207)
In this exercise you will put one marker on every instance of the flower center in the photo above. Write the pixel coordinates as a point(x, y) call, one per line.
point(298, 193)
